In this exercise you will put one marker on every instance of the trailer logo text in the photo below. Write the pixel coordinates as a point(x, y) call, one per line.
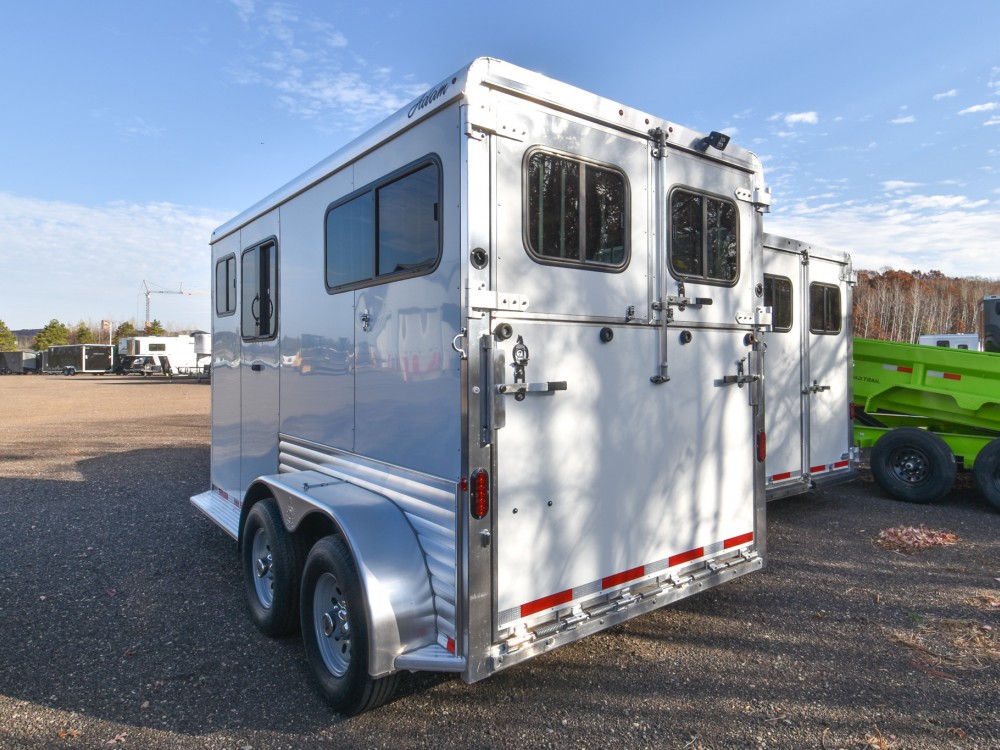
point(427, 99)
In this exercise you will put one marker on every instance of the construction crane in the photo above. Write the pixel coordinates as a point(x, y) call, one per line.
point(179, 290)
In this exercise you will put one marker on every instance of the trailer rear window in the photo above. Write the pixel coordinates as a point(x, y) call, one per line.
point(778, 296)
point(704, 242)
point(824, 309)
point(577, 212)
point(387, 230)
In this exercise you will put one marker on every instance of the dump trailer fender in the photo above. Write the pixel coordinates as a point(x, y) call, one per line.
point(389, 559)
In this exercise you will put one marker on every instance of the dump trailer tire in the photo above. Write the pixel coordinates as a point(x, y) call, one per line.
point(913, 465)
point(335, 630)
point(986, 470)
point(271, 560)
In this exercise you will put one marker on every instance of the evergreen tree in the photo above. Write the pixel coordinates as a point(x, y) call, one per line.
point(155, 328)
point(124, 331)
point(84, 335)
point(54, 334)
point(8, 341)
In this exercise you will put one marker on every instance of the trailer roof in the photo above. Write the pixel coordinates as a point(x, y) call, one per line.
point(493, 74)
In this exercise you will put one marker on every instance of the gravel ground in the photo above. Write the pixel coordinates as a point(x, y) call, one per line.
point(123, 623)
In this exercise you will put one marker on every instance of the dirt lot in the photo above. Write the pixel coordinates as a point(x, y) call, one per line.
point(123, 623)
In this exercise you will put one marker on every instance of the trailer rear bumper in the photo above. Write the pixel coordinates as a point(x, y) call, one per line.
point(621, 605)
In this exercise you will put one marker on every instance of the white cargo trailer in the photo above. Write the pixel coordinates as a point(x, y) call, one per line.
point(488, 380)
point(173, 355)
point(968, 341)
point(810, 291)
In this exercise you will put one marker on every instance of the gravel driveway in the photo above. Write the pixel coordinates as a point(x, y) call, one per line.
point(122, 622)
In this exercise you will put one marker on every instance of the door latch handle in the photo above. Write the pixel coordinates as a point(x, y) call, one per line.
point(815, 388)
point(741, 378)
point(519, 390)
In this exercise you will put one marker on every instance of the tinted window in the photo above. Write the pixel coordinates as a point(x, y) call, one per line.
point(704, 241)
point(576, 211)
point(391, 228)
point(778, 296)
point(824, 309)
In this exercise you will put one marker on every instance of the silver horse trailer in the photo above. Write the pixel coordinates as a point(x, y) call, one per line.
point(488, 380)
point(808, 385)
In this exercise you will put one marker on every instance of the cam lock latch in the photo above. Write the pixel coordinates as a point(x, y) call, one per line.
point(520, 388)
point(815, 388)
point(741, 377)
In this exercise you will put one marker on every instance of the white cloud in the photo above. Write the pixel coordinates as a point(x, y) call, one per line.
point(988, 107)
point(137, 127)
point(951, 234)
point(315, 76)
point(899, 186)
point(806, 118)
point(945, 95)
point(995, 120)
point(74, 262)
point(903, 120)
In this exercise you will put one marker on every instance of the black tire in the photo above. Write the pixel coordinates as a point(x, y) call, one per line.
point(986, 470)
point(335, 630)
point(913, 465)
point(271, 559)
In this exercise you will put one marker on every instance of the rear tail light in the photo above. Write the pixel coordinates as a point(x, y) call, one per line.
point(761, 446)
point(479, 493)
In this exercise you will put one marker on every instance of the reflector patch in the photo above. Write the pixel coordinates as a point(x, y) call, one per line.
point(829, 467)
point(781, 477)
point(945, 375)
point(608, 582)
point(736, 541)
point(623, 577)
point(897, 368)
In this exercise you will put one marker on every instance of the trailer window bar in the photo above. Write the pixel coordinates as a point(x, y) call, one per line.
point(387, 230)
point(576, 212)
point(778, 296)
point(824, 309)
point(704, 238)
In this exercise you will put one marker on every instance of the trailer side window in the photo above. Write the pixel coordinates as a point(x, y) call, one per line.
point(824, 309)
point(391, 228)
point(577, 212)
point(259, 279)
point(225, 286)
point(704, 242)
point(778, 296)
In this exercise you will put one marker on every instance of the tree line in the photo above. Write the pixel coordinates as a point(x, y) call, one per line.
point(58, 334)
point(900, 306)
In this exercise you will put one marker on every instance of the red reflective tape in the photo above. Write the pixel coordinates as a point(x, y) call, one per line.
point(736, 541)
point(816, 469)
point(778, 477)
point(952, 376)
point(451, 645)
point(623, 577)
point(841, 464)
point(545, 602)
point(905, 369)
point(684, 557)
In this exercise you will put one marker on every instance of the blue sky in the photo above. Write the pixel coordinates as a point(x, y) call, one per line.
point(131, 129)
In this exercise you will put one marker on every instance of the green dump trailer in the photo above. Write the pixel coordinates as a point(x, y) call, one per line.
point(925, 412)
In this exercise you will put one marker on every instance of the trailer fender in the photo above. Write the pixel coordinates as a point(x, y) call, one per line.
point(390, 562)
